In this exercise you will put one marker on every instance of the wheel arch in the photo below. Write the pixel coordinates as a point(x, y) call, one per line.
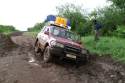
point(36, 41)
point(47, 44)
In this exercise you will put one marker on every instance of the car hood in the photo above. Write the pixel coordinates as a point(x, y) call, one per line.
point(68, 42)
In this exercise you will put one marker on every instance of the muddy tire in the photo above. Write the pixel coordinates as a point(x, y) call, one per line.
point(36, 47)
point(47, 57)
point(84, 60)
point(81, 61)
point(87, 57)
point(38, 53)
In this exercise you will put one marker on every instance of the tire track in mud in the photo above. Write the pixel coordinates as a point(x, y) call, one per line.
point(16, 67)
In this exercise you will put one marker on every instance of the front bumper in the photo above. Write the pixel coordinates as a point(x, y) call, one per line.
point(66, 53)
point(57, 51)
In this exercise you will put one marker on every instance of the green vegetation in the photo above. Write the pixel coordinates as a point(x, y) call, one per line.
point(106, 45)
point(120, 31)
point(32, 34)
point(119, 3)
point(111, 17)
point(7, 29)
point(37, 27)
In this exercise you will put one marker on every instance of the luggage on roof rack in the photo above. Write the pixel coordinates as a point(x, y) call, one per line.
point(59, 21)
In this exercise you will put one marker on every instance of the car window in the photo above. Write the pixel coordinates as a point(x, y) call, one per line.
point(56, 32)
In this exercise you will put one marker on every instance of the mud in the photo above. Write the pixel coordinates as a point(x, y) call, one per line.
point(19, 66)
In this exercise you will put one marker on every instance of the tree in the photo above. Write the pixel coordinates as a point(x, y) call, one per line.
point(76, 16)
point(110, 17)
point(36, 27)
point(119, 3)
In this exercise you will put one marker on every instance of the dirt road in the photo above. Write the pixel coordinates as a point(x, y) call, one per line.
point(15, 66)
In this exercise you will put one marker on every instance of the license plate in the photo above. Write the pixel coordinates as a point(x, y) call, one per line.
point(71, 56)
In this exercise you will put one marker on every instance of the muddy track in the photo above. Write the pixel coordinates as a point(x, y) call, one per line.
point(15, 66)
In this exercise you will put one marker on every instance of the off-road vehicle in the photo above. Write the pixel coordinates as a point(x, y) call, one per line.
point(55, 41)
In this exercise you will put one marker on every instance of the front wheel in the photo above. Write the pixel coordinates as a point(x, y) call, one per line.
point(47, 57)
point(36, 47)
point(37, 51)
point(82, 60)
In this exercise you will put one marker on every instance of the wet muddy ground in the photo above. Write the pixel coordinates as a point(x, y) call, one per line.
point(17, 65)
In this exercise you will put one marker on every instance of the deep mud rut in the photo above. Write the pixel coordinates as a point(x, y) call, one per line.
point(17, 66)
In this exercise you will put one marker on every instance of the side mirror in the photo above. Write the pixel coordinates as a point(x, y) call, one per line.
point(46, 32)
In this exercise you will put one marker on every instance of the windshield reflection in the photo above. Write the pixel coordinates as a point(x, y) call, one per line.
point(59, 32)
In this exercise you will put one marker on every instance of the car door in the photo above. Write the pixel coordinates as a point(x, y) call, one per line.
point(40, 37)
point(43, 37)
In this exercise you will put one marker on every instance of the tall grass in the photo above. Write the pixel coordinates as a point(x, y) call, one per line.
point(106, 45)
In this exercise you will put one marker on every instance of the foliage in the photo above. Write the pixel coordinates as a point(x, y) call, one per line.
point(106, 45)
point(119, 3)
point(76, 16)
point(36, 27)
point(110, 18)
point(120, 31)
point(7, 29)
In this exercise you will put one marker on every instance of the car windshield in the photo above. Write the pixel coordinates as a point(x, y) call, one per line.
point(57, 31)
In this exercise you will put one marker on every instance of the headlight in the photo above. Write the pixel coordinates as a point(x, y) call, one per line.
point(53, 43)
point(59, 45)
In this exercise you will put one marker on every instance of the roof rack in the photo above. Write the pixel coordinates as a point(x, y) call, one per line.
point(58, 21)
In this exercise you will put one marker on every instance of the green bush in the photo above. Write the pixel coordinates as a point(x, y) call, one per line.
point(37, 27)
point(120, 32)
point(106, 45)
point(7, 29)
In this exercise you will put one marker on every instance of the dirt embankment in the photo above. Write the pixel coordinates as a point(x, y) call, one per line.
point(15, 66)
point(5, 44)
point(5, 41)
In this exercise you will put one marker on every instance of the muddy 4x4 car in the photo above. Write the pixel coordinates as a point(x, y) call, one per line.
point(56, 41)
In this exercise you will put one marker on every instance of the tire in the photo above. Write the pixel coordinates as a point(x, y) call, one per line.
point(86, 57)
point(36, 47)
point(47, 57)
point(83, 60)
point(37, 51)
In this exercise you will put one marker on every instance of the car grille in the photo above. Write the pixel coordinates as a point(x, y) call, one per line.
point(72, 49)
